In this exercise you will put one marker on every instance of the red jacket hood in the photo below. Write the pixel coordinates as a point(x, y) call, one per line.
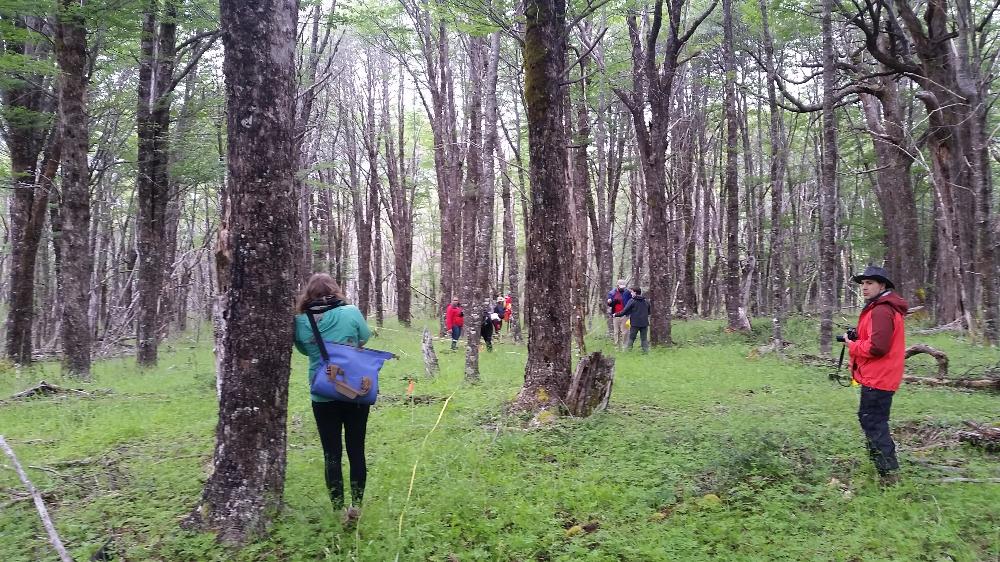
point(892, 299)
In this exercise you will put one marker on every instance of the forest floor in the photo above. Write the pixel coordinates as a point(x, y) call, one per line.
point(708, 452)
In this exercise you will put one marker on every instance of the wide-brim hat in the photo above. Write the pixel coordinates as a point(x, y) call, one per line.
point(876, 273)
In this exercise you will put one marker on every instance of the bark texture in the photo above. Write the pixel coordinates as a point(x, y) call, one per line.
point(590, 390)
point(828, 189)
point(547, 372)
point(30, 131)
point(156, 69)
point(776, 175)
point(244, 490)
point(737, 318)
point(74, 211)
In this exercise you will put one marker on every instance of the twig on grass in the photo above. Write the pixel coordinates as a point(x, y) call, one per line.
point(39, 504)
point(46, 469)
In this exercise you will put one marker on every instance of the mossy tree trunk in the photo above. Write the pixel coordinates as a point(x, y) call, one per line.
point(547, 372)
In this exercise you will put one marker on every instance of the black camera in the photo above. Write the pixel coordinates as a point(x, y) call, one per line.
point(852, 335)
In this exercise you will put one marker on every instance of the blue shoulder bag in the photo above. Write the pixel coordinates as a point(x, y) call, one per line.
point(347, 373)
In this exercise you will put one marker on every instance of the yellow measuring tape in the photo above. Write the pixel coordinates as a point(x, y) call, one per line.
point(413, 473)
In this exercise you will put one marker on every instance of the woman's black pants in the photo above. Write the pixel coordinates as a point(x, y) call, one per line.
point(331, 418)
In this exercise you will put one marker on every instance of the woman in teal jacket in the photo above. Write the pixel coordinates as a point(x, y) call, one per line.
point(341, 324)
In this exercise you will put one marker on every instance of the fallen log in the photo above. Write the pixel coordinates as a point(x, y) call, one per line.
point(981, 436)
point(45, 389)
point(940, 356)
point(972, 384)
point(972, 480)
point(590, 389)
point(954, 326)
point(39, 504)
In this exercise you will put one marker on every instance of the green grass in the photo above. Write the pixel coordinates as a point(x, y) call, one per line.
point(707, 452)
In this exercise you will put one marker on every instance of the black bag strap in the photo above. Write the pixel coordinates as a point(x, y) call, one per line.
point(319, 307)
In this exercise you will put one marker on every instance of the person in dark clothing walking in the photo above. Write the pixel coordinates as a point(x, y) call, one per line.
point(877, 355)
point(486, 326)
point(637, 310)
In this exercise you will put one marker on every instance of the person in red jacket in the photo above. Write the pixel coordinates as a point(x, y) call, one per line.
point(454, 318)
point(877, 354)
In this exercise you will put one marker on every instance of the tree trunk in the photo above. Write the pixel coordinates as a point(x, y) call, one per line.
point(578, 209)
point(737, 317)
point(776, 175)
point(156, 70)
point(477, 199)
point(590, 389)
point(431, 368)
point(244, 491)
point(510, 255)
point(547, 372)
point(828, 188)
point(25, 139)
point(400, 207)
point(893, 187)
point(77, 260)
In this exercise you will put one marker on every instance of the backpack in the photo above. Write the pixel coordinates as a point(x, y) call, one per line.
point(347, 373)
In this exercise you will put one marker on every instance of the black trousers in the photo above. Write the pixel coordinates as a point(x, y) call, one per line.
point(873, 413)
point(641, 332)
point(331, 419)
point(486, 331)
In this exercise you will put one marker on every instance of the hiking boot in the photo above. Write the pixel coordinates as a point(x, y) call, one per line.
point(351, 516)
point(888, 479)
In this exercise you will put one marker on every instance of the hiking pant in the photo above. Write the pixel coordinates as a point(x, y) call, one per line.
point(618, 329)
point(487, 332)
point(331, 417)
point(456, 332)
point(873, 413)
point(642, 331)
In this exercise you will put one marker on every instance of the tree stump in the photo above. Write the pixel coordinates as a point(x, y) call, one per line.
point(940, 356)
point(430, 358)
point(590, 389)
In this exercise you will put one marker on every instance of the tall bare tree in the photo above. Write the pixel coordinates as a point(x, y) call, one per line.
point(828, 187)
point(399, 203)
point(776, 176)
point(737, 318)
point(652, 88)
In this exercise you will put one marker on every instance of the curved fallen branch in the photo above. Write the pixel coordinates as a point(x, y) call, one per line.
point(940, 356)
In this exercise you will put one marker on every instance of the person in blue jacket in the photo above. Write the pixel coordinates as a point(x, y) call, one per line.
point(341, 324)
